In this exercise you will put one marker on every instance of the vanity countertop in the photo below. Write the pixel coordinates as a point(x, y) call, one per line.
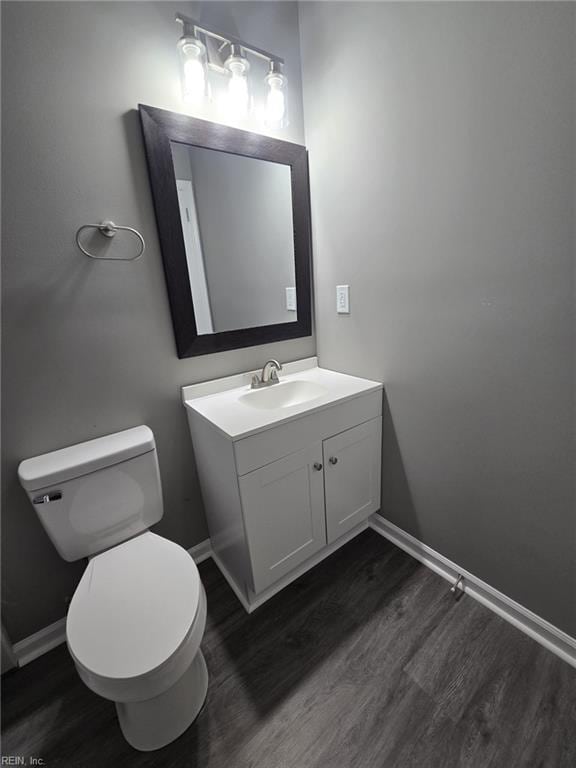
point(238, 411)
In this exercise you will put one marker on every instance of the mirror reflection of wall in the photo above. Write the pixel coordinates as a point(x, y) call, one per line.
point(236, 215)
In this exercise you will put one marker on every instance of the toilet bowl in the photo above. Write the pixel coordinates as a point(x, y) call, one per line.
point(138, 615)
point(134, 629)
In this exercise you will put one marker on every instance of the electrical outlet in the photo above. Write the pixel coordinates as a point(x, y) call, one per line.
point(343, 299)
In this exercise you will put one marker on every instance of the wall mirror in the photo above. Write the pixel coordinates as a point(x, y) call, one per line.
point(233, 215)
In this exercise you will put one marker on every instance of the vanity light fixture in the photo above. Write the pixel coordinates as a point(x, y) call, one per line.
point(203, 50)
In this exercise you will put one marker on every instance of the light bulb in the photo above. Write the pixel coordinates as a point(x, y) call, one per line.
point(194, 81)
point(193, 64)
point(275, 111)
point(237, 101)
point(275, 104)
point(238, 96)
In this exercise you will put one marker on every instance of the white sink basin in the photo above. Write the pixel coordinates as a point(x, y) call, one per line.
point(238, 411)
point(283, 395)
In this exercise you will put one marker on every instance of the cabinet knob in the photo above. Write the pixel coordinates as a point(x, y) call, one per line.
point(317, 466)
point(333, 460)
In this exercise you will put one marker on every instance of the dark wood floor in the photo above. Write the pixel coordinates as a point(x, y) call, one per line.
point(364, 662)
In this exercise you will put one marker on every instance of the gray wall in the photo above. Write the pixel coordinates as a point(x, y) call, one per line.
point(88, 346)
point(244, 209)
point(441, 141)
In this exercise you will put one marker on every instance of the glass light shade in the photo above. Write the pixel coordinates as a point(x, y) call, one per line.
point(193, 70)
point(237, 100)
point(275, 110)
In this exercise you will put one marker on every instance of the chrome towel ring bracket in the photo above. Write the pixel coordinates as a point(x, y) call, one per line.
point(109, 229)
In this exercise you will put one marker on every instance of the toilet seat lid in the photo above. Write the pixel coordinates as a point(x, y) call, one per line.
point(133, 607)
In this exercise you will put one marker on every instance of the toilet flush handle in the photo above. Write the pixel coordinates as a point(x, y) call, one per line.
point(46, 498)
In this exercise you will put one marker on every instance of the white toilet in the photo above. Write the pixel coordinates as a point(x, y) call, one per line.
point(137, 617)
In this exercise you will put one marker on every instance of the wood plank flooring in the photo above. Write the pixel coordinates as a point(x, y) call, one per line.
point(364, 662)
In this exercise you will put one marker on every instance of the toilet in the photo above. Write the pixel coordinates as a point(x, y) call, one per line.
point(137, 617)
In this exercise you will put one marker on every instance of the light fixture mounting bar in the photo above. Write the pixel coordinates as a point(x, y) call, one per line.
point(190, 23)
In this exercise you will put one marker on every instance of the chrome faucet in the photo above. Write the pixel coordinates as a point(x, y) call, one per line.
point(268, 376)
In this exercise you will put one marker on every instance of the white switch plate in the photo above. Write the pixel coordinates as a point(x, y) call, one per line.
point(343, 299)
point(291, 299)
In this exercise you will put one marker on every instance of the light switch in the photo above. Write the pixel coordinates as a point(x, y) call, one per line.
point(291, 299)
point(343, 299)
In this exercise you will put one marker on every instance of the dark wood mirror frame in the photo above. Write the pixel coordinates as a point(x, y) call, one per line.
point(161, 127)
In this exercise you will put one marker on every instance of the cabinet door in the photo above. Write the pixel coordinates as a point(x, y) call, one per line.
point(352, 477)
point(283, 506)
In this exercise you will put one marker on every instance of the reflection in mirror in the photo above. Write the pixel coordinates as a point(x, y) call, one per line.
point(236, 215)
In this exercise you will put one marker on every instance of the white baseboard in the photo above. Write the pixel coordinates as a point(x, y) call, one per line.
point(528, 622)
point(46, 639)
point(201, 552)
point(40, 642)
point(534, 626)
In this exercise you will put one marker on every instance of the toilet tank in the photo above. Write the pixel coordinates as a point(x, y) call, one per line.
point(94, 495)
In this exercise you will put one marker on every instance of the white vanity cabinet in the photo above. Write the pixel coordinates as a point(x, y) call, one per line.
point(352, 477)
point(283, 508)
point(281, 497)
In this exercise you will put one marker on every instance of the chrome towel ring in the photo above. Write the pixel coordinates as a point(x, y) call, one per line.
point(109, 229)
